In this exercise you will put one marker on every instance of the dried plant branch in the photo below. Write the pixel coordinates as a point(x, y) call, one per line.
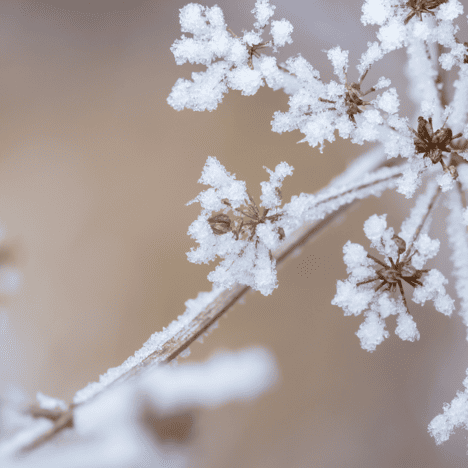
point(201, 323)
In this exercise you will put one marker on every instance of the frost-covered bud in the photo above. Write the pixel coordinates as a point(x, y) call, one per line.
point(220, 224)
point(281, 233)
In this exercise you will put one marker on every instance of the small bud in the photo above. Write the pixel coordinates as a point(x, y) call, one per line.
point(424, 128)
point(435, 155)
point(443, 137)
point(453, 172)
point(220, 224)
point(400, 243)
point(281, 233)
point(278, 192)
point(409, 270)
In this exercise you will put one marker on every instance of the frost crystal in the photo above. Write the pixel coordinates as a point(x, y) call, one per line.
point(281, 32)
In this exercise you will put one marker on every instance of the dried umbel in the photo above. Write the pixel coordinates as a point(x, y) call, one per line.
point(353, 97)
point(371, 282)
point(418, 7)
point(252, 49)
point(392, 274)
point(222, 223)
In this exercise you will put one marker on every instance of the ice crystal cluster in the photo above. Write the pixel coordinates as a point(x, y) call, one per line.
point(424, 153)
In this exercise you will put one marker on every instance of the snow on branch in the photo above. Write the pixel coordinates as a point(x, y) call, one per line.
point(422, 77)
point(417, 222)
point(160, 344)
point(455, 415)
point(309, 207)
point(460, 110)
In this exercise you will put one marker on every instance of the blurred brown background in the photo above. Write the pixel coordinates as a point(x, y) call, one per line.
point(95, 171)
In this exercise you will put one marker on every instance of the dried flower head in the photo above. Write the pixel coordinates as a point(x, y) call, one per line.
point(401, 263)
point(245, 239)
point(395, 271)
point(418, 7)
point(254, 219)
point(353, 96)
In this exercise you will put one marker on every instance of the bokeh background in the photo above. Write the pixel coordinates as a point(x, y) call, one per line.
point(95, 171)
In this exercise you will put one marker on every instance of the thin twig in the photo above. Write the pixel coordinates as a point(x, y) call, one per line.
point(441, 80)
point(62, 419)
point(462, 194)
point(421, 224)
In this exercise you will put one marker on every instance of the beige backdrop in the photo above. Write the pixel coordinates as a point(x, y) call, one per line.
point(95, 171)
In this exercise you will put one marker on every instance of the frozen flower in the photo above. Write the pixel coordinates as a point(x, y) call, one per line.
point(371, 280)
point(232, 62)
point(244, 242)
point(317, 109)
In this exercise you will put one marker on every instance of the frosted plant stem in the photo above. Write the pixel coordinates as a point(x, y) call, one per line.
point(441, 79)
point(421, 224)
point(199, 324)
point(462, 195)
